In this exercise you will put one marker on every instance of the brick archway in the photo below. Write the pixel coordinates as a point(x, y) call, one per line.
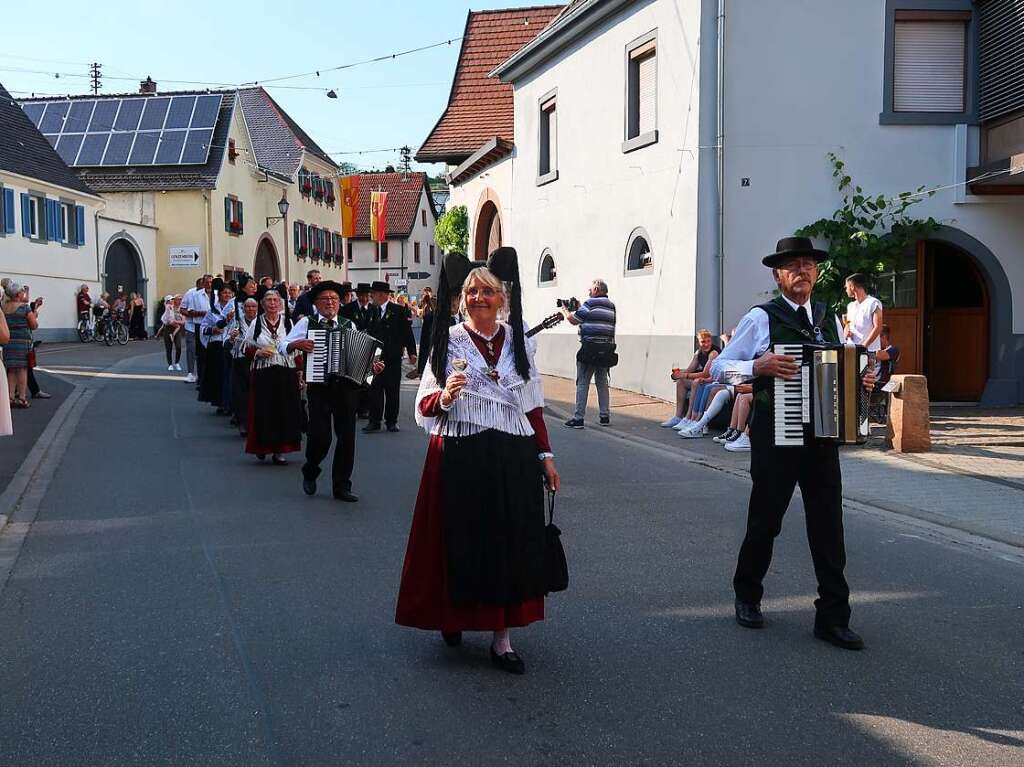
point(487, 228)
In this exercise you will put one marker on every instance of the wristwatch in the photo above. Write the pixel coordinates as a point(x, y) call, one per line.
point(544, 456)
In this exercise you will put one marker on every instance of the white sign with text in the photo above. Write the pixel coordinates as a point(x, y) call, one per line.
point(184, 257)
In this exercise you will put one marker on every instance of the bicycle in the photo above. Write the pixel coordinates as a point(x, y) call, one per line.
point(86, 330)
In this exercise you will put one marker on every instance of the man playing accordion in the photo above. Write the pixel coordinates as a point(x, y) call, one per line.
point(336, 399)
point(791, 318)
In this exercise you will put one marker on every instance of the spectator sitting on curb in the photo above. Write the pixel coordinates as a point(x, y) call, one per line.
point(707, 350)
point(737, 437)
point(714, 398)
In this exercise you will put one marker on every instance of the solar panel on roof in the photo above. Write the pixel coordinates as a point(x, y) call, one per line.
point(140, 130)
point(128, 115)
point(78, 116)
point(53, 120)
point(169, 151)
point(68, 146)
point(205, 115)
point(34, 111)
point(118, 148)
point(180, 113)
point(92, 149)
point(156, 111)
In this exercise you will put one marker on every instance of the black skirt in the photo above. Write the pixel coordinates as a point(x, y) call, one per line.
point(212, 379)
point(493, 507)
point(240, 388)
point(274, 411)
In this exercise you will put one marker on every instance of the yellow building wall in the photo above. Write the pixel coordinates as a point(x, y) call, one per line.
point(309, 211)
point(181, 220)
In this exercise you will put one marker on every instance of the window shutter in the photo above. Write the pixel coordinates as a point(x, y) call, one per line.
point(1001, 61)
point(80, 224)
point(52, 220)
point(930, 58)
point(238, 211)
point(227, 214)
point(9, 211)
point(26, 216)
point(295, 236)
point(647, 94)
point(58, 211)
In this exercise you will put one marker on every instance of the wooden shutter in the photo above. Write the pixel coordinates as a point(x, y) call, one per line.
point(227, 214)
point(647, 94)
point(929, 65)
point(80, 225)
point(416, 252)
point(52, 220)
point(9, 211)
point(238, 215)
point(26, 216)
point(1000, 57)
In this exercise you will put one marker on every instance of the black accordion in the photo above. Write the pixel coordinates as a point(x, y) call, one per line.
point(827, 400)
point(342, 352)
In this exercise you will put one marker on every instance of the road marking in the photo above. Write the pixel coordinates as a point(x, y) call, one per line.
point(67, 371)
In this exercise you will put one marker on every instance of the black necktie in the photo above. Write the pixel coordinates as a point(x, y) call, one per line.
point(803, 317)
point(330, 324)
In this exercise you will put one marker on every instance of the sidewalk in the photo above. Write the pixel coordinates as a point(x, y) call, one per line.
point(973, 480)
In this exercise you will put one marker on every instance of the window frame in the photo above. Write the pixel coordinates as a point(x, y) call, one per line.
point(433, 254)
point(37, 209)
point(541, 282)
point(637, 233)
point(69, 219)
point(936, 9)
point(415, 252)
point(632, 143)
point(546, 104)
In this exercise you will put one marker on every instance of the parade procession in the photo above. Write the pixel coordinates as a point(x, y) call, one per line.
point(610, 382)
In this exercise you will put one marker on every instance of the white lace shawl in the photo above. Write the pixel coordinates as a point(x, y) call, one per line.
point(484, 403)
point(260, 336)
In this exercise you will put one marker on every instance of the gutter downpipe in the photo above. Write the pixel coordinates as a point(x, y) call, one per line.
point(720, 145)
point(708, 287)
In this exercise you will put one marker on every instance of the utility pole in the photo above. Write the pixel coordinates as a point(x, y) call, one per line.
point(96, 77)
point(406, 162)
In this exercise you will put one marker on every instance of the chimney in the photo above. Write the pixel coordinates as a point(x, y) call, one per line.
point(147, 86)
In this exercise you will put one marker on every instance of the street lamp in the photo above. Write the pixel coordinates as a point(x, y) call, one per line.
point(282, 206)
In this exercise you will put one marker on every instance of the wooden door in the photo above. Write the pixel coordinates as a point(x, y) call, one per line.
point(956, 317)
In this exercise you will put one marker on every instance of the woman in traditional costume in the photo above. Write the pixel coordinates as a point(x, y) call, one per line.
point(248, 311)
point(274, 405)
point(475, 558)
point(212, 332)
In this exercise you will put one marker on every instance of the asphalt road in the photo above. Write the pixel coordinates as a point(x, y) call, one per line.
point(175, 603)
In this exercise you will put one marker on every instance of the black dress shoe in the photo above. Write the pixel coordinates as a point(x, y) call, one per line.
point(309, 486)
point(749, 615)
point(371, 428)
point(509, 661)
point(279, 461)
point(346, 495)
point(840, 636)
point(452, 638)
point(393, 427)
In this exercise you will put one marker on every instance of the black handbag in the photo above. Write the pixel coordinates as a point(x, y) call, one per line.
point(556, 569)
point(598, 354)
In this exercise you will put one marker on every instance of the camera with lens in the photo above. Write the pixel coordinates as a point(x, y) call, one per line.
point(570, 304)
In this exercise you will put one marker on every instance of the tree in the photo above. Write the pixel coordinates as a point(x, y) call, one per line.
point(452, 231)
point(868, 234)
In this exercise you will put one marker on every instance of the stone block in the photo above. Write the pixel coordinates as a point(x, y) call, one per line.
point(908, 428)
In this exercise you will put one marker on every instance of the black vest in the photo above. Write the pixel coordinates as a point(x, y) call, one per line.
point(785, 327)
point(316, 322)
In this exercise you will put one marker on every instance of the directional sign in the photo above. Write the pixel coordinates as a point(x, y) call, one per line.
point(184, 257)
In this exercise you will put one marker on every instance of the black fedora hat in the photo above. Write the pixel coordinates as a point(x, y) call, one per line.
point(346, 286)
point(362, 287)
point(793, 247)
point(381, 286)
point(320, 287)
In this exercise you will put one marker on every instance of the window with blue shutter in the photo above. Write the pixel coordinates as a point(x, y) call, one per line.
point(298, 239)
point(9, 211)
point(52, 220)
point(227, 214)
point(80, 225)
point(26, 216)
point(238, 216)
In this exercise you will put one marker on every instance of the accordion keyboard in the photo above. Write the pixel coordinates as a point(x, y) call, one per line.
point(792, 401)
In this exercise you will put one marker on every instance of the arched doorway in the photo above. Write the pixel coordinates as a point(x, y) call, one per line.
point(265, 264)
point(938, 308)
point(487, 232)
point(122, 268)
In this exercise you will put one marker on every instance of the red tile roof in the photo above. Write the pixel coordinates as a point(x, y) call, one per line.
point(480, 107)
point(404, 191)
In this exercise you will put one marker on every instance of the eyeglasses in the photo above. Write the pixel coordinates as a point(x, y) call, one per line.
point(328, 299)
point(485, 292)
point(799, 265)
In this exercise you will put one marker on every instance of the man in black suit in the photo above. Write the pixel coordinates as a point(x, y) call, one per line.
point(391, 324)
point(304, 303)
point(358, 311)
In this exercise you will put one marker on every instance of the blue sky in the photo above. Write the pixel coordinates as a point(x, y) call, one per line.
point(380, 105)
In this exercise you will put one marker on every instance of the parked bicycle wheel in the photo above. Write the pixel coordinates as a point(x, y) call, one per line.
point(109, 334)
point(122, 334)
point(84, 331)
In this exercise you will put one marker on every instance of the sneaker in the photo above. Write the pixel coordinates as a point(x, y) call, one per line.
point(605, 420)
point(684, 424)
point(673, 421)
point(190, 378)
point(725, 436)
point(694, 432)
point(574, 423)
point(735, 436)
point(177, 366)
point(739, 445)
point(170, 367)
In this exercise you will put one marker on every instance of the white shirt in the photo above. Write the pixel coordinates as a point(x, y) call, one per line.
point(736, 362)
point(300, 330)
point(859, 315)
point(196, 300)
point(381, 309)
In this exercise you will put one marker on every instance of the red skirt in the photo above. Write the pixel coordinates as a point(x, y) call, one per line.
point(423, 600)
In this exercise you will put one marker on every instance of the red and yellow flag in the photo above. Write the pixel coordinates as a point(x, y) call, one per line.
point(378, 216)
point(349, 205)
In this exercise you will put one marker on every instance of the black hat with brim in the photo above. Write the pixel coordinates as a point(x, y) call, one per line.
point(794, 247)
point(320, 287)
point(362, 287)
point(383, 287)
